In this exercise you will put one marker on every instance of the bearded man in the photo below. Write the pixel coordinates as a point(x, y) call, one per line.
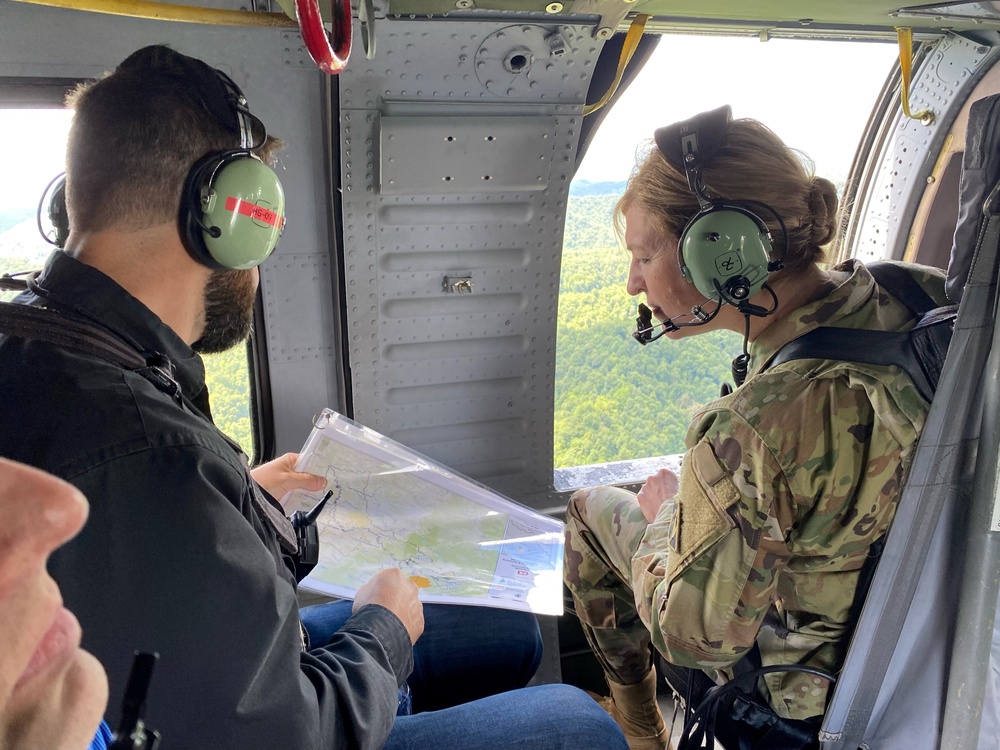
point(171, 205)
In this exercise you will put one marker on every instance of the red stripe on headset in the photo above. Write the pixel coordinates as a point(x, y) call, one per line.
point(255, 212)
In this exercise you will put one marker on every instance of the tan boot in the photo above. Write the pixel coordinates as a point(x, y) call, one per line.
point(634, 709)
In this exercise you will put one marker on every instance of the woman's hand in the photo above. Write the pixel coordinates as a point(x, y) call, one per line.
point(658, 489)
point(279, 476)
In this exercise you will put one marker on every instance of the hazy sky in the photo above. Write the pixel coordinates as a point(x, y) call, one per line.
point(35, 156)
point(815, 95)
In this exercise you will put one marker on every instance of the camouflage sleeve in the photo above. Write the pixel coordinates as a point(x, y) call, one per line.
point(705, 574)
point(789, 459)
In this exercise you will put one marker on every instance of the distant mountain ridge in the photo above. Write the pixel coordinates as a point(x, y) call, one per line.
point(579, 188)
point(15, 216)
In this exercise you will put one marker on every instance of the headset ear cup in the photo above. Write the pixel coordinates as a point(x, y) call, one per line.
point(58, 214)
point(232, 211)
point(53, 205)
point(190, 217)
point(725, 251)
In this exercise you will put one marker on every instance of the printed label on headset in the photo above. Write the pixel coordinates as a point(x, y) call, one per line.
point(258, 214)
point(729, 263)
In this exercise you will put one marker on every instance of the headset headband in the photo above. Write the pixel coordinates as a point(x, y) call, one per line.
point(245, 120)
point(690, 143)
point(216, 91)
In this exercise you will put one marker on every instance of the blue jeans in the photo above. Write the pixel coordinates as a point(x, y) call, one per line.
point(465, 653)
point(484, 655)
point(544, 717)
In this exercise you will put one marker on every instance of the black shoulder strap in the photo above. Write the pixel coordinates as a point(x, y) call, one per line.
point(900, 284)
point(26, 322)
point(878, 347)
point(45, 324)
point(52, 327)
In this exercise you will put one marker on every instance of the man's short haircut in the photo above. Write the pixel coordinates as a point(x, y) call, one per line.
point(136, 133)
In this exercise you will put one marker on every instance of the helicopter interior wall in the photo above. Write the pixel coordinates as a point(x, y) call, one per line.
point(453, 163)
point(933, 226)
point(456, 167)
point(284, 88)
point(896, 174)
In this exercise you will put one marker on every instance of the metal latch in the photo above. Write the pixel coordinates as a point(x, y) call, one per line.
point(458, 284)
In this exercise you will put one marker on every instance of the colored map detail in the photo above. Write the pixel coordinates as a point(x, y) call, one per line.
point(458, 542)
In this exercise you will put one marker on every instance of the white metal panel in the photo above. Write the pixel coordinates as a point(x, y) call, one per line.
point(464, 378)
point(911, 148)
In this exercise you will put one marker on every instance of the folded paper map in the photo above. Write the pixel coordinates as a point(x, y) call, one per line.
point(458, 541)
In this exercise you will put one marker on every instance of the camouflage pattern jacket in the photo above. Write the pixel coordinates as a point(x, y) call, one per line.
point(785, 485)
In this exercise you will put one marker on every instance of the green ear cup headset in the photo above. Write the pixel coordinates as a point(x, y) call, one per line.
point(725, 254)
point(725, 249)
point(232, 206)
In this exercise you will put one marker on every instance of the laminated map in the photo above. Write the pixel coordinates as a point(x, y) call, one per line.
point(458, 541)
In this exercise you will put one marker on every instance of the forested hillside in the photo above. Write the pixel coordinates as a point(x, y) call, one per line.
point(615, 399)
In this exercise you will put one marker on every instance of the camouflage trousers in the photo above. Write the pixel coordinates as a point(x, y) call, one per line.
point(604, 531)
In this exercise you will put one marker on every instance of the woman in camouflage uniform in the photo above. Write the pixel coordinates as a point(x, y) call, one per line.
point(755, 549)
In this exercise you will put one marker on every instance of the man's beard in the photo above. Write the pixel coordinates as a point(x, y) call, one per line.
point(229, 298)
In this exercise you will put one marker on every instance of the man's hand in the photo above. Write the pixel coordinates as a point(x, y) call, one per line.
point(658, 489)
point(279, 476)
point(396, 593)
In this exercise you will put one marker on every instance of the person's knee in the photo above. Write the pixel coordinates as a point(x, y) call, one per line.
point(594, 505)
point(579, 557)
point(570, 712)
point(524, 637)
point(576, 508)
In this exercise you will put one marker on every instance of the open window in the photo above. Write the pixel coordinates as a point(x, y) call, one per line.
point(616, 401)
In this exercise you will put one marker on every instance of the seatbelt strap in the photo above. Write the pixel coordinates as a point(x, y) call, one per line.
point(45, 324)
point(878, 631)
point(881, 347)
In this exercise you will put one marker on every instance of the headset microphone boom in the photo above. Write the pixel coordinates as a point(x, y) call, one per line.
point(725, 249)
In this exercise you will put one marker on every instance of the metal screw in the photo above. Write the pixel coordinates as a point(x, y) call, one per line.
point(605, 32)
point(554, 8)
point(465, 4)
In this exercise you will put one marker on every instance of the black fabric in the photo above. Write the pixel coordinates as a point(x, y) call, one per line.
point(734, 717)
point(920, 351)
point(214, 89)
point(707, 131)
point(750, 724)
point(177, 556)
point(980, 172)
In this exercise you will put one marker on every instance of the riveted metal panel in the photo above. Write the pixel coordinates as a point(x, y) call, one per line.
point(297, 307)
point(908, 156)
point(464, 378)
point(452, 155)
point(431, 62)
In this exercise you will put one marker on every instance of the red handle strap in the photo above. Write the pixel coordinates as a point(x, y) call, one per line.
point(331, 57)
